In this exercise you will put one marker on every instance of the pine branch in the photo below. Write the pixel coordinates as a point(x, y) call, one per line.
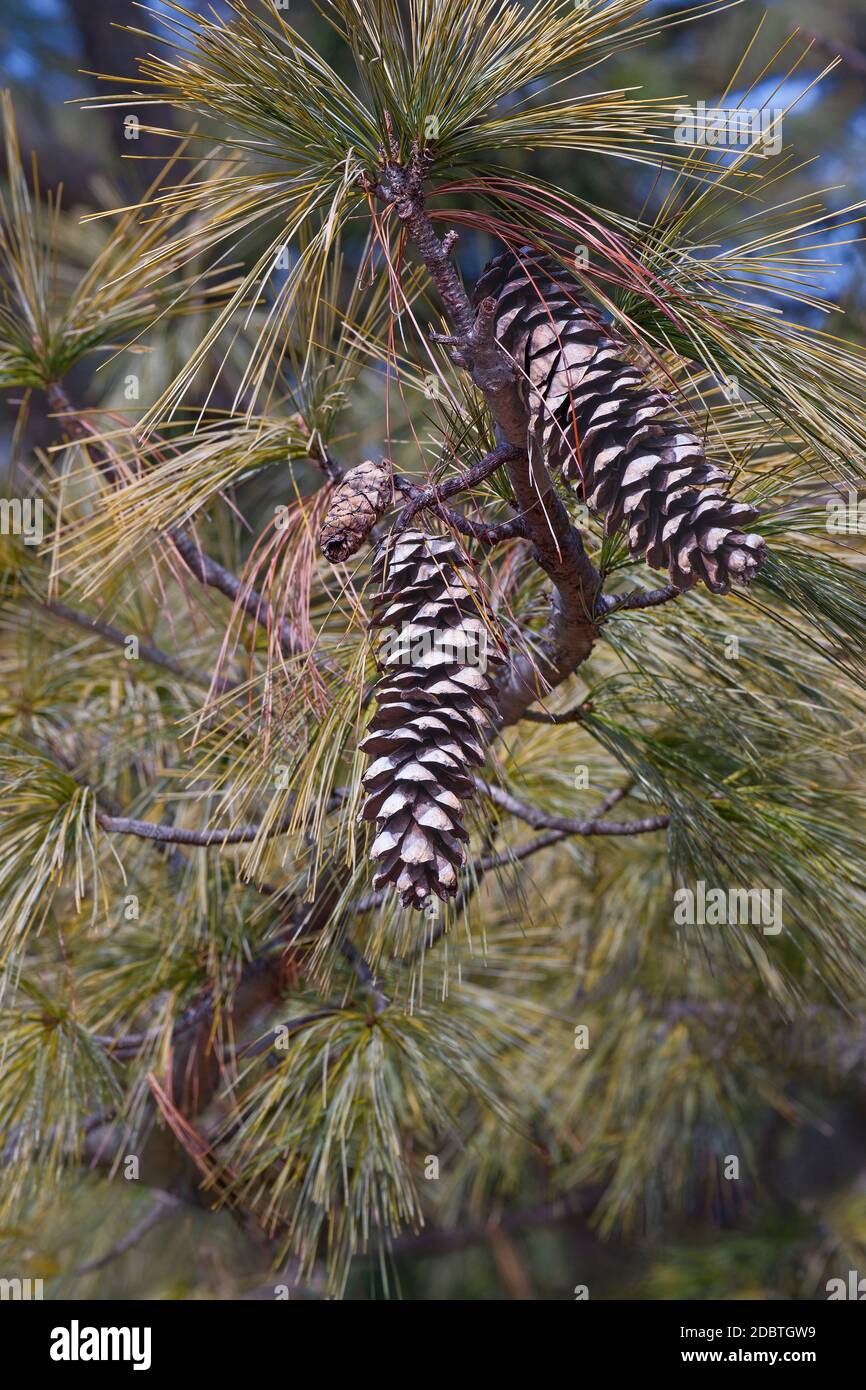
point(517, 853)
point(433, 499)
point(558, 548)
point(259, 983)
point(201, 565)
point(487, 533)
point(211, 573)
point(289, 1029)
point(556, 828)
point(175, 835)
point(146, 651)
point(639, 598)
point(163, 1205)
point(197, 1061)
point(365, 974)
point(596, 825)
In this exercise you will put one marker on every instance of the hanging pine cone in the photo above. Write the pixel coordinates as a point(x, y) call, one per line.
point(434, 713)
point(615, 440)
point(360, 500)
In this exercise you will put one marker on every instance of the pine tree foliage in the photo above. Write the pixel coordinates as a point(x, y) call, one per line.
point(199, 968)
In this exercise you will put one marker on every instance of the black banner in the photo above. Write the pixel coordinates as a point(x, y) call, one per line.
point(60, 1340)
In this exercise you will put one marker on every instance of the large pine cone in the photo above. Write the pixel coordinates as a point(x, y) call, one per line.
point(615, 439)
point(434, 713)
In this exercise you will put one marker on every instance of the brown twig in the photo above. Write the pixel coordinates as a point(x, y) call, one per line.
point(638, 598)
point(203, 568)
point(174, 835)
point(163, 1203)
point(486, 532)
point(569, 825)
point(504, 857)
point(77, 426)
point(365, 974)
point(146, 651)
point(211, 573)
point(433, 496)
point(555, 828)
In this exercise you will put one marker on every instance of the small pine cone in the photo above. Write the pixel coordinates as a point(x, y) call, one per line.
point(434, 713)
point(359, 501)
point(616, 440)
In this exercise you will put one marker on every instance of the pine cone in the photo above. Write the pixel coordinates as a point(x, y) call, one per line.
point(434, 713)
point(360, 500)
point(616, 440)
